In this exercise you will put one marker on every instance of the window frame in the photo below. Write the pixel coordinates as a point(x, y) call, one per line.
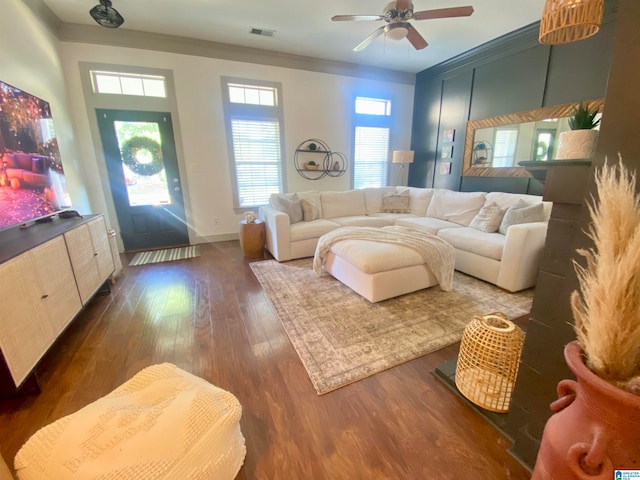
point(252, 112)
point(376, 121)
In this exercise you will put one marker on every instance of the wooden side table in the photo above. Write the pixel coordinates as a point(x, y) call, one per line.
point(252, 238)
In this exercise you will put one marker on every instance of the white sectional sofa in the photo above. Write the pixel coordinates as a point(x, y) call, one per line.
point(466, 220)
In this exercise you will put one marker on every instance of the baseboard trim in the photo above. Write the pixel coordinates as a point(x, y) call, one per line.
point(223, 237)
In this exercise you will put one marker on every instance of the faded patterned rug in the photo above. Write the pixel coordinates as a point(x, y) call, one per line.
point(165, 255)
point(342, 338)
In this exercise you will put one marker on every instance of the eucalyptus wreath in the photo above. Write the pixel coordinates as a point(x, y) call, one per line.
point(128, 153)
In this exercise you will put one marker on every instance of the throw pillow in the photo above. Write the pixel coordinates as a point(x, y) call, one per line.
point(289, 204)
point(310, 211)
point(521, 212)
point(395, 202)
point(488, 219)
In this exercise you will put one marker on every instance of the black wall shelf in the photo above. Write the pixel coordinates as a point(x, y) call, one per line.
point(327, 162)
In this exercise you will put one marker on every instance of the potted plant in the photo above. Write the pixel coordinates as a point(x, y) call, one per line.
point(311, 165)
point(580, 141)
point(596, 427)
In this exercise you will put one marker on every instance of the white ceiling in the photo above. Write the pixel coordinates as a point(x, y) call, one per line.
point(304, 27)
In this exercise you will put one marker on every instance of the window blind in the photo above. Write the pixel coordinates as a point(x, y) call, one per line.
point(256, 150)
point(505, 143)
point(371, 153)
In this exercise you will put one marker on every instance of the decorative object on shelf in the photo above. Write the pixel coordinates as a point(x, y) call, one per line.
point(488, 361)
point(105, 15)
point(596, 427)
point(580, 141)
point(402, 157)
point(250, 216)
point(314, 160)
point(565, 21)
point(482, 152)
point(136, 146)
point(448, 135)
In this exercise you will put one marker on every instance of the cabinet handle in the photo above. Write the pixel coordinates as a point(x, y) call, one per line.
point(44, 296)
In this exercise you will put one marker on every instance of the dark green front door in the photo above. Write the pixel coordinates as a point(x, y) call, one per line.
point(143, 174)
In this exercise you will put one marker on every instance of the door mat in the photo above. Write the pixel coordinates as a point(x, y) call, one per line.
point(167, 255)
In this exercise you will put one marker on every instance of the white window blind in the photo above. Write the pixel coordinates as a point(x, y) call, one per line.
point(504, 152)
point(256, 150)
point(371, 154)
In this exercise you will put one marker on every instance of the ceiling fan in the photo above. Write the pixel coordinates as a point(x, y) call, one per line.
point(397, 15)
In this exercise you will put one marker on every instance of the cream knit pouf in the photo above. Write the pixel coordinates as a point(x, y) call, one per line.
point(164, 423)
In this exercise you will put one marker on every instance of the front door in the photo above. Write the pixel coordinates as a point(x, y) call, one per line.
point(143, 174)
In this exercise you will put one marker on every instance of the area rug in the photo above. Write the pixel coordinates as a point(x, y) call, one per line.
point(342, 338)
point(167, 255)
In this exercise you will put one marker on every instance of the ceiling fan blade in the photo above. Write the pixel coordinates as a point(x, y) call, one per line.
point(367, 41)
point(343, 18)
point(443, 13)
point(416, 39)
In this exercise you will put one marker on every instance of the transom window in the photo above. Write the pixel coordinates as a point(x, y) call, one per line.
point(371, 142)
point(254, 123)
point(120, 83)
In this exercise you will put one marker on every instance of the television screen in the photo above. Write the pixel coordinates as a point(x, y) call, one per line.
point(32, 182)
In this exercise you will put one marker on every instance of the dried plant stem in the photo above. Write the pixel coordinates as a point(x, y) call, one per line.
point(607, 310)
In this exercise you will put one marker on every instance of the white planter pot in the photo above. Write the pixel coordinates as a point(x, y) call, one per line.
point(577, 144)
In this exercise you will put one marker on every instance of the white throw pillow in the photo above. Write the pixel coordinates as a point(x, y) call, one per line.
point(310, 211)
point(395, 202)
point(456, 207)
point(521, 212)
point(288, 203)
point(488, 218)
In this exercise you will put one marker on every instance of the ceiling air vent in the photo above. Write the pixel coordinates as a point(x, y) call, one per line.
point(262, 31)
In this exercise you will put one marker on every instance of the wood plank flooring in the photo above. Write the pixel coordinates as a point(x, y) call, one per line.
point(209, 316)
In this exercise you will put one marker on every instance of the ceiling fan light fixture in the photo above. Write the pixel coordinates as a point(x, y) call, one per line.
point(105, 15)
point(566, 21)
point(396, 31)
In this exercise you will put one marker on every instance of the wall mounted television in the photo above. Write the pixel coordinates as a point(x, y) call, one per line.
point(32, 181)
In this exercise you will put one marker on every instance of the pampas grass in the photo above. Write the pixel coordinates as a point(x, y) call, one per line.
point(607, 309)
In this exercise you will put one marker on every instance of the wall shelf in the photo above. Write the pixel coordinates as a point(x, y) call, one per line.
point(329, 163)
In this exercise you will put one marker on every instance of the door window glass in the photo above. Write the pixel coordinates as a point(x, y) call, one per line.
point(142, 164)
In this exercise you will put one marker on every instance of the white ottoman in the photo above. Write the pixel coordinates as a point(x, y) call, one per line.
point(164, 423)
point(378, 270)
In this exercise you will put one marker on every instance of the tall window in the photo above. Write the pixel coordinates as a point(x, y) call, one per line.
point(371, 142)
point(504, 153)
point(253, 116)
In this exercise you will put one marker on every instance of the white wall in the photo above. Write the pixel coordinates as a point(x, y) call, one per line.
point(29, 60)
point(316, 105)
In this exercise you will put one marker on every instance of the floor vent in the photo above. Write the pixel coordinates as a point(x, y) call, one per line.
point(262, 31)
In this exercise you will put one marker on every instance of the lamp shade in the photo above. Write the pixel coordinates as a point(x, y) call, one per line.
point(402, 156)
point(565, 21)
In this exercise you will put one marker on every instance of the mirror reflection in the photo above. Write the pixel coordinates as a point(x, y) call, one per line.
point(495, 145)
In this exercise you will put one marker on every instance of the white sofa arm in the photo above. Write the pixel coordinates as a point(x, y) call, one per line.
point(521, 256)
point(278, 232)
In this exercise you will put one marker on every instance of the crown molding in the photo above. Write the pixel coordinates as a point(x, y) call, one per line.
point(45, 14)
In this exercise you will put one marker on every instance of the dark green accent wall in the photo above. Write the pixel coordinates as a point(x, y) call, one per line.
point(510, 74)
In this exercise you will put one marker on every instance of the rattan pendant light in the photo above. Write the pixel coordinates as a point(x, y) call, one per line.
point(565, 21)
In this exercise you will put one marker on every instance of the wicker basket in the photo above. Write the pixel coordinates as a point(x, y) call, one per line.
point(488, 361)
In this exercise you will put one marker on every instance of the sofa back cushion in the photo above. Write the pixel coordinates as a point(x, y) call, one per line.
point(419, 199)
point(456, 207)
point(342, 204)
point(373, 198)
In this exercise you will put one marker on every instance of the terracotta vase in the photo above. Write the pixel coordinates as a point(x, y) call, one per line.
point(595, 430)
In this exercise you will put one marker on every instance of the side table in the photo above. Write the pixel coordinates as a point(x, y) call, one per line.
point(252, 238)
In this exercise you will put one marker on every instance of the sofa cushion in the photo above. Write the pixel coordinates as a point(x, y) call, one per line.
point(419, 199)
point(363, 221)
point(395, 202)
point(456, 207)
point(10, 159)
point(312, 196)
point(309, 210)
point(488, 218)
point(427, 224)
point(288, 203)
point(373, 257)
point(342, 204)
point(469, 239)
point(506, 200)
point(23, 160)
point(373, 198)
point(521, 212)
point(392, 217)
point(314, 229)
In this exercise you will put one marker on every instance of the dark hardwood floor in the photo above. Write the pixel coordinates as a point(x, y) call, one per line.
point(209, 316)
